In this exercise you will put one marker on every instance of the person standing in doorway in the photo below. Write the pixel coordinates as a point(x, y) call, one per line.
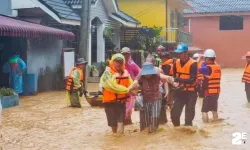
point(75, 84)
point(115, 82)
point(246, 76)
point(212, 76)
point(185, 72)
point(133, 69)
point(15, 67)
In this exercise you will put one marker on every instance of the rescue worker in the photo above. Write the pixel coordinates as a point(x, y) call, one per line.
point(246, 76)
point(74, 83)
point(185, 72)
point(212, 73)
point(199, 58)
point(167, 102)
point(115, 82)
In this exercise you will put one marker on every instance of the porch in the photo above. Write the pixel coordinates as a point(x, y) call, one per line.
point(176, 36)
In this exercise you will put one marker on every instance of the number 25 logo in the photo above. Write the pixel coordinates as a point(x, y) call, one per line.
point(238, 138)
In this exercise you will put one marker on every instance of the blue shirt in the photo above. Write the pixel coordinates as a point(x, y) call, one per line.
point(205, 70)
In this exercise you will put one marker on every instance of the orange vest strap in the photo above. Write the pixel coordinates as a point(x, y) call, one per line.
point(246, 75)
point(111, 97)
point(214, 79)
point(184, 72)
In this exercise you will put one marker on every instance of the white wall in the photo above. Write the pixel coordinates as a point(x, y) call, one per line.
point(5, 7)
point(46, 53)
point(19, 4)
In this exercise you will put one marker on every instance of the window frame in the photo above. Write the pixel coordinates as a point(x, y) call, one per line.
point(225, 24)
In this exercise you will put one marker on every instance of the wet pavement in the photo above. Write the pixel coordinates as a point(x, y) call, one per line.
point(45, 122)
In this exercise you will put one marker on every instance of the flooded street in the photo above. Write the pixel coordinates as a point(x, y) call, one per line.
point(44, 122)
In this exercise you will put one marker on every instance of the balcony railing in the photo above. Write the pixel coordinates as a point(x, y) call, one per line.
point(175, 35)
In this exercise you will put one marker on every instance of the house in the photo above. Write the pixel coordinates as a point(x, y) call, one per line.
point(65, 14)
point(102, 14)
point(160, 13)
point(223, 26)
point(39, 46)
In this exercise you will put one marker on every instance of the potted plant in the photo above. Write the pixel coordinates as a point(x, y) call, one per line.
point(8, 98)
point(94, 71)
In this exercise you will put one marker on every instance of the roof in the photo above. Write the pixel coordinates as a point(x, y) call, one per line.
point(76, 2)
point(62, 10)
point(17, 28)
point(120, 14)
point(218, 6)
point(125, 17)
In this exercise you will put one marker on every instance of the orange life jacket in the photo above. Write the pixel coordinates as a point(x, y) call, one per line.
point(199, 75)
point(214, 79)
point(109, 97)
point(70, 83)
point(246, 75)
point(169, 63)
point(184, 73)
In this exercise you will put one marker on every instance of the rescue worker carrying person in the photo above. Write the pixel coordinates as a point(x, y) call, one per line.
point(185, 72)
point(246, 76)
point(199, 58)
point(115, 82)
point(74, 84)
point(212, 76)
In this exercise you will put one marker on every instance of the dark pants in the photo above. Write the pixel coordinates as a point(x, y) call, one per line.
point(163, 115)
point(247, 89)
point(201, 91)
point(115, 113)
point(181, 99)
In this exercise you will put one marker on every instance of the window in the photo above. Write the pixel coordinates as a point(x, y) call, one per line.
point(185, 22)
point(231, 22)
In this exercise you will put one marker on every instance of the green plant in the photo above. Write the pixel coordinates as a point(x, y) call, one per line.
point(6, 92)
point(93, 68)
point(108, 32)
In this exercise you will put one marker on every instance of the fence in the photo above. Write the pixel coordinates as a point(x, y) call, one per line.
point(175, 35)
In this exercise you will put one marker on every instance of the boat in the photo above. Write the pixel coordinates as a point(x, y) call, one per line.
point(94, 98)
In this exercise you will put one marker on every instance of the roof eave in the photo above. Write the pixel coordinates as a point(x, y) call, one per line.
point(186, 5)
point(70, 22)
point(213, 14)
point(125, 23)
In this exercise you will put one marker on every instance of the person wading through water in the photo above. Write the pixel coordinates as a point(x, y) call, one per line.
point(133, 70)
point(212, 76)
point(200, 77)
point(149, 80)
point(167, 102)
point(75, 84)
point(246, 76)
point(185, 72)
point(115, 82)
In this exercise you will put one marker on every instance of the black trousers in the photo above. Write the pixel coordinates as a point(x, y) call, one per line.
point(163, 115)
point(201, 91)
point(181, 99)
point(247, 89)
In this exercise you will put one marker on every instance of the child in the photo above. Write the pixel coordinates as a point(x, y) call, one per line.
point(212, 76)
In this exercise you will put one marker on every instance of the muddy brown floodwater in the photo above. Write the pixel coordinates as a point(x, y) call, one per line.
point(44, 122)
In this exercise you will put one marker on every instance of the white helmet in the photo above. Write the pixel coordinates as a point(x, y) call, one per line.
point(196, 55)
point(209, 53)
